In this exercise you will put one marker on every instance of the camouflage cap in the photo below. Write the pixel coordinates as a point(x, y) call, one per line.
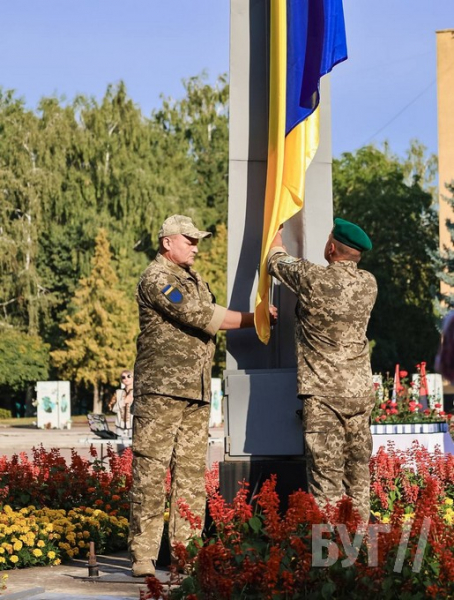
point(351, 235)
point(179, 224)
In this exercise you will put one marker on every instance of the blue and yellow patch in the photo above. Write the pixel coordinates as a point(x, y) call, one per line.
point(172, 293)
point(288, 260)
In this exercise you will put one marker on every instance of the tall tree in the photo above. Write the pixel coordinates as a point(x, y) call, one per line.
point(370, 189)
point(100, 330)
point(196, 132)
point(421, 167)
point(70, 168)
point(24, 360)
point(24, 189)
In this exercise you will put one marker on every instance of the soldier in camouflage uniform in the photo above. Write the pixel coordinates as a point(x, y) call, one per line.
point(172, 386)
point(333, 308)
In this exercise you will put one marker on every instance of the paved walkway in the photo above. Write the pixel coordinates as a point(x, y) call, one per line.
point(71, 581)
point(14, 440)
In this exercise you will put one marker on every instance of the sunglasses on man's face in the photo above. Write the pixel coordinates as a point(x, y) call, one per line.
point(126, 376)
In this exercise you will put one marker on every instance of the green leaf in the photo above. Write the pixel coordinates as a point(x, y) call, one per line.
point(255, 523)
point(188, 585)
point(328, 590)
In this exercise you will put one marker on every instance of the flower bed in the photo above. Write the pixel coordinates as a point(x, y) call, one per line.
point(398, 401)
point(252, 551)
point(400, 416)
point(402, 476)
point(51, 510)
point(31, 537)
point(255, 552)
point(46, 480)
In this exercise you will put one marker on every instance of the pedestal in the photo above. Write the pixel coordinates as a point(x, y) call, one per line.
point(290, 474)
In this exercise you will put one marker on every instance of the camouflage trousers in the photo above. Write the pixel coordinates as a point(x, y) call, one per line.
point(338, 447)
point(166, 433)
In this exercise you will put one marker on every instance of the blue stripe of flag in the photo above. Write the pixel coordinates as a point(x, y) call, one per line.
point(316, 42)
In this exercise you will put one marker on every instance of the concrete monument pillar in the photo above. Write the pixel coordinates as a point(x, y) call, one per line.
point(261, 424)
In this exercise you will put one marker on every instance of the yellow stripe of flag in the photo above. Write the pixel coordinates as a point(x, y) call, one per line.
point(288, 158)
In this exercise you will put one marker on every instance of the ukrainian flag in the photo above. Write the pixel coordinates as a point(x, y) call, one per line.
point(307, 39)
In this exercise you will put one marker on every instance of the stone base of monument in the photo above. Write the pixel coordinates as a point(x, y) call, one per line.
point(290, 477)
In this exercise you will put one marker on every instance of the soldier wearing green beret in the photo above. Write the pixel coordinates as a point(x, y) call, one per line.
point(179, 319)
point(333, 308)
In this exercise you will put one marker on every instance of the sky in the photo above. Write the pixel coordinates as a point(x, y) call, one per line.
point(385, 91)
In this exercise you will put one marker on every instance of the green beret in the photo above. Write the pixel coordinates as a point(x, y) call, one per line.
point(351, 235)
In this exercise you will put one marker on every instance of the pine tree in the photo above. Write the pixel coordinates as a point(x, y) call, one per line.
point(100, 329)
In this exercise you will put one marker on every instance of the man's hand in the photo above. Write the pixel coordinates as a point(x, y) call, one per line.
point(277, 240)
point(273, 314)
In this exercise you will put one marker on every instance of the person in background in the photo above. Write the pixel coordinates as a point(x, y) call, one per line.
point(444, 361)
point(333, 308)
point(179, 319)
point(121, 405)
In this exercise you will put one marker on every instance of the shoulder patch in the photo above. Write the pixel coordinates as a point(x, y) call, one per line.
point(287, 259)
point(172, 293)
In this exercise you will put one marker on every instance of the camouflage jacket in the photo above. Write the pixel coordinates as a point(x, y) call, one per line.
point(178, 322)
point(332, 312)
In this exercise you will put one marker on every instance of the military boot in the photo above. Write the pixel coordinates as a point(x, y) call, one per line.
point(143, 568)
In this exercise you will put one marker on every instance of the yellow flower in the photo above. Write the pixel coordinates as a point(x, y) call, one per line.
point(37, 552)
point(51, 554)
point(385, 520)
point(2, 550)
point(449, 501)
point(40, 544)
point(14, 559)
point(17, 545)
point(57, 561)
point(449, 518)
point(166, 516)
point(2, 559)
point(64, 546)
point(409, 516)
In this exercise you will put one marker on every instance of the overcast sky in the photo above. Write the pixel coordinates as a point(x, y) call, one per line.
point(386, 90)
